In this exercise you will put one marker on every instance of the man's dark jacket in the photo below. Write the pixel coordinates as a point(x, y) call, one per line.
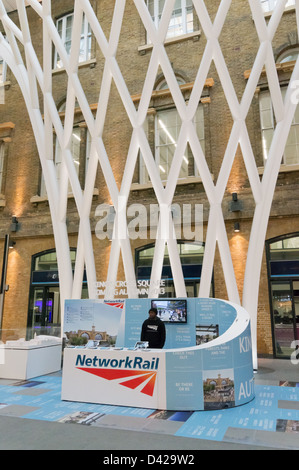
point(153, 331)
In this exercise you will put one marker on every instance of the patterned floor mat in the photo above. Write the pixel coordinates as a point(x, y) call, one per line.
point(272, 417)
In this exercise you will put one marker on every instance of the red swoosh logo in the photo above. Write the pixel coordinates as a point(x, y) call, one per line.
point(137, 379)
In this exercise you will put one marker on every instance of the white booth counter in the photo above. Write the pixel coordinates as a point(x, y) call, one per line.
point(24, 360)
point(214, 375)
point(115, 377)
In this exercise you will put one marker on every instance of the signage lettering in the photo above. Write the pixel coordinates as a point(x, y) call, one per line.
point(245, 344)
point(246, 389)
point(127, 363)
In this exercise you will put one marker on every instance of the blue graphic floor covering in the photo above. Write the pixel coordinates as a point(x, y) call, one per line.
point(271, 418)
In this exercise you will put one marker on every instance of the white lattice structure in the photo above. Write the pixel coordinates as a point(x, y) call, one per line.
point(31, 74)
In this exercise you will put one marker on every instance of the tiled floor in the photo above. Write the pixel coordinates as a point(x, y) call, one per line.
point(269, 421)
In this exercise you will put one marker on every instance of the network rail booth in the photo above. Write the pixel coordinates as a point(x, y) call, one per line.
point(206, 362)
point(201, 389)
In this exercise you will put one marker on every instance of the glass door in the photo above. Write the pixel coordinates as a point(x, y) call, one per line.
point(285, 326)
point(45, 311)
point(37, 308)
point(52, 306)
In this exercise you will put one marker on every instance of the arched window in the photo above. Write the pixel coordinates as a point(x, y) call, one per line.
point(163, 85)
point(269, 5)
point(44, 314)
point(191, 255)
point(182, 19)
point(288, 56)
point(163, 128)
point(64, 27)
point(80, 149)
point(268, 123)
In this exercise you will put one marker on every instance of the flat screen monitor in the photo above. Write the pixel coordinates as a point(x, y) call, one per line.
point(171, 311)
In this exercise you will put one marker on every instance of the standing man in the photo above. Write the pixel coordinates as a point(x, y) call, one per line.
point(153, 330)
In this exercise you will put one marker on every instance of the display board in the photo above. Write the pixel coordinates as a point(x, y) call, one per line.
point(216, 373)
point(206, 320)
point(92, 320)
